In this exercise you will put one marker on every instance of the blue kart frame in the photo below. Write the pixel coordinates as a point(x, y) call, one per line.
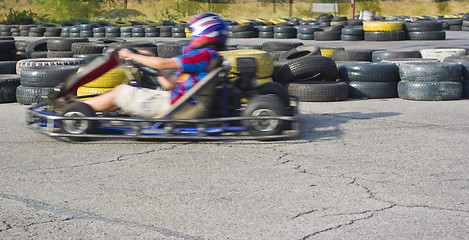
point(189, 118)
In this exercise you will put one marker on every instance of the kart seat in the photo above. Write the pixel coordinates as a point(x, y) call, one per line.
point(197, 102)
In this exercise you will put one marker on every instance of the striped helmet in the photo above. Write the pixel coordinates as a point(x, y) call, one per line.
point(207, 29)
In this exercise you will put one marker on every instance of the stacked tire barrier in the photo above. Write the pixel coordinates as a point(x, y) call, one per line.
point(424, 30)
point(430, 81)
point(383, 31)
point(9, 81)
point(370, 80)
point(36, 82)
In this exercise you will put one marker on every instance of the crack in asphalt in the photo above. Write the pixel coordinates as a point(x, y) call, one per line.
point(8, 226)
point(119, 158)
point(338, 226)
point(69, 214)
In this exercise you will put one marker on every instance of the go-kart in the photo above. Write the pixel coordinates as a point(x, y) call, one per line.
point(219, 106)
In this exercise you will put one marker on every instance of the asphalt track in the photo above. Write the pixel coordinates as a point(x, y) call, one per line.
point(361, 169)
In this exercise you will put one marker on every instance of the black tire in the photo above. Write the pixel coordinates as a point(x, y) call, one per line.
point(249, 46)
point(8, 85)
point(264, 105)
point(273, 88)
point(385, 35)
point(245, 34)
point(430, 35)
point(7, 45)
point(63, 44)
point(352, 31)
point(299, 52)
point(241, 28)
point(178, 35)
point(431, 72)
point(87, 48)
point(423, 26)
point(379, 56)
point(308, 68)
point(78, 127)
point(308, 30)
point(280, 46)
point(59, 54)
point(49, 76)
point(327, 36)
point(8, 67)
point(374, 90)
point(305, 36)
point(21, 64)
point(266, 34)
point(464, 65)
point(318, 91)
point(21, 45)
point(36, 47)
point(29, 95)
point(465, 85)
point(353, 55)
point(169, 50)
point(369, 72)
point(344, 37)
point(429, 91)
point(285, 29)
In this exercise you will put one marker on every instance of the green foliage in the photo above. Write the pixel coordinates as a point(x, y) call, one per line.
point(166, 14)
point(71, 9)
point(14, 16)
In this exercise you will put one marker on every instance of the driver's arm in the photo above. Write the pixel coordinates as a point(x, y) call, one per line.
point(166, 80)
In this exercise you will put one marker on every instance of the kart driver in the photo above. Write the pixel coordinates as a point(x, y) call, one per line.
point(196, 61)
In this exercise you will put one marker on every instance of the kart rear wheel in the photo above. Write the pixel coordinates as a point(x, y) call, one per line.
point(78, 127)
point(262, 106)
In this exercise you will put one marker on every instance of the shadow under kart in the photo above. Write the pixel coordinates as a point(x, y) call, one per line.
point(216, 108)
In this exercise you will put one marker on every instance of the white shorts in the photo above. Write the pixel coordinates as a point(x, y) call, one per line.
point(143, 102)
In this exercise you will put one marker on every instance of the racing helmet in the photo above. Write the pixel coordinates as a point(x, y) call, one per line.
point(207, 29)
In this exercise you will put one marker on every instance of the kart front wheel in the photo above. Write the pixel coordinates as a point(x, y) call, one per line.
point(81, 126)
point(264, 106)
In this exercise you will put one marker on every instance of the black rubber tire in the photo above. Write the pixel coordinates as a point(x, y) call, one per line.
point(35, 47)
point(169, 50)
point(464, 65)
point(264, 105)
point(308, 68)
point(179, 35)
point(318, 91)
point(138, 30)
point(465, 91)
point(273, 88)
point(280, 46)
point(266, 34)
point(78, 109)
point(344, 37)
point(87, 48)
point(241, 28)
point(22, 45)
point(298, 52)
point(7, 45)
point(352, 31)
point(429, 91)
point(21, 64)
point(353, 55)
point(59, 54)
point(374, 90)
point(431, 72)
point(327, 36)
point(63, 44)
point(113, 30)
point(430, 35)
point(49, 76)
point(152, 30)
point(385, 35)
point(305, 36)
point(308, 29)
point(8, 67)
point(8, 85)
point(423, 26)
point(378, 56)
point(245, 34)
point(249, 46)
point(369, 72)
point(29, 95)
point(268, 28)
point(178, 30)
point(285, 29)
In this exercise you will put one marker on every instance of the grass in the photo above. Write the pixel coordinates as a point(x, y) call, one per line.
point(157, 10)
